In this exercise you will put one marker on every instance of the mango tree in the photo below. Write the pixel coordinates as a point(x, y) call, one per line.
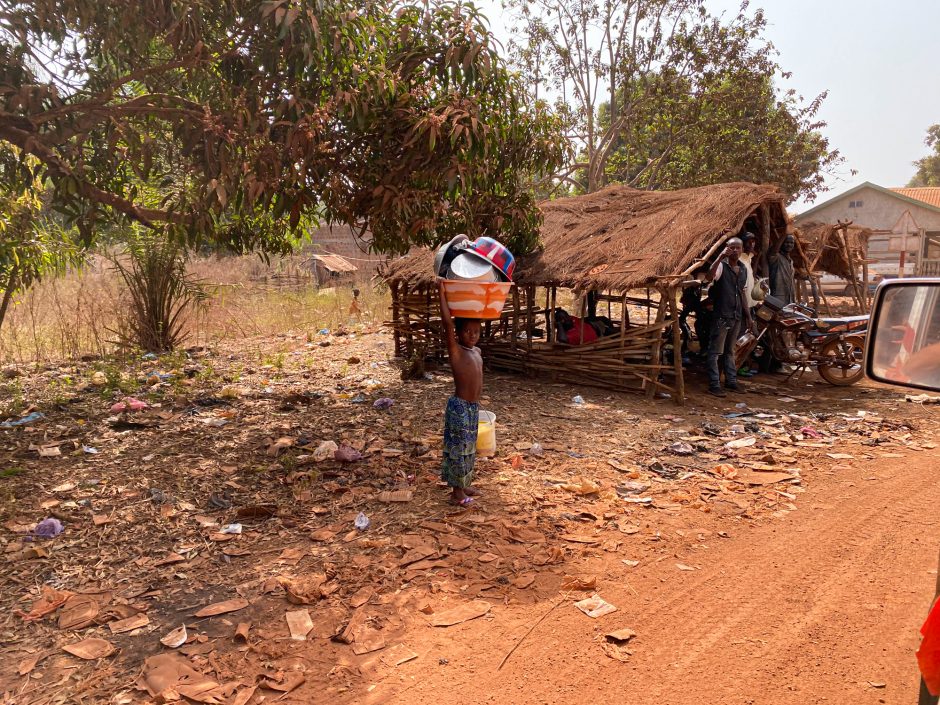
point(241, 121)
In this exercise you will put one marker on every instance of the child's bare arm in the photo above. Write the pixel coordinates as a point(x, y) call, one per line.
point(450, 335)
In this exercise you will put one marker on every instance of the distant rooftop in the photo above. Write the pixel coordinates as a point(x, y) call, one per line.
point(928, 194)
point(925, 196)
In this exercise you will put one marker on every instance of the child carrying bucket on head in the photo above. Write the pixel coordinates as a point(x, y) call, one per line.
point(461, 417)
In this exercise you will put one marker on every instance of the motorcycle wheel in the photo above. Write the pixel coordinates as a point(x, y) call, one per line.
point(852, 347)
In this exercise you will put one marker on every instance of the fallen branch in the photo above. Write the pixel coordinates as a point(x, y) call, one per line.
point(531, 629)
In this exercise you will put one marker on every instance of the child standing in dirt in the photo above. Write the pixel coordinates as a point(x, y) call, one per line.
point(461, 417)
point(354, 309)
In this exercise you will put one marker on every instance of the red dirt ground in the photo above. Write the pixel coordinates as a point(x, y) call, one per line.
point(821, 606)
point(808, 575)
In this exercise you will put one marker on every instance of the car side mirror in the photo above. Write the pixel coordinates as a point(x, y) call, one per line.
point(903, 347)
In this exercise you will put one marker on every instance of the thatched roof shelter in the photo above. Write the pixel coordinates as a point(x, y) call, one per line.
point(334, 263)
point(840, 249)
point(621, 238)
point(823, 239)
point(633, 251)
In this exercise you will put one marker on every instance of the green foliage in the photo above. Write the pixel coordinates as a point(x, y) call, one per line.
point(174, 360)
point(58, 391)
point(116, 381)
point(12, 399)
point(928, 168)
point(243, 121)
point(207, 372)
point(661, 94)
point(32, 244)
point(275, 360)
point(737, 128)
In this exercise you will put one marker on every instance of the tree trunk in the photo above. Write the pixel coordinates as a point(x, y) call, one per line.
point(593, 154)
point(614, 115)
point(592, 148)
point(8, 293)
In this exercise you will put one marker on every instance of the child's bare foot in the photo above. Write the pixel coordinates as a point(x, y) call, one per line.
point(460, 497)
point(471, 491)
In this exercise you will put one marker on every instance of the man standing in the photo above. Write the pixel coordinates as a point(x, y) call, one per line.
point(728, 277)
point(782, 279)
point(749, 246)
point(748, 260)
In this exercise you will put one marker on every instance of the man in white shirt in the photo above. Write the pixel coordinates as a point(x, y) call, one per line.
point(749, 246)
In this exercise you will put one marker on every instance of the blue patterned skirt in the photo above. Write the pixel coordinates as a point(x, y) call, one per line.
point(461, 422)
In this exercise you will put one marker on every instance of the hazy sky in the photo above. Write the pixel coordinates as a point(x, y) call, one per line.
point(880, 63)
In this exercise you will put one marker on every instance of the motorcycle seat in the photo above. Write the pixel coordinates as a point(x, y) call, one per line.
point(846, 323)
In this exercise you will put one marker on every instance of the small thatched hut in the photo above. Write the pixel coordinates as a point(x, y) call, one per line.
point(840, 249)
point(332, 269)
point(634, 249)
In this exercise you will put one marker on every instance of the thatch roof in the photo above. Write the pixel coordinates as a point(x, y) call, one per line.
point(621, 238)
point(815, 235)
point(335, 263)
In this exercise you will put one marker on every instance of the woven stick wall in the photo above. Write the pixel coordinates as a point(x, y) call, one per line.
point(520, 341)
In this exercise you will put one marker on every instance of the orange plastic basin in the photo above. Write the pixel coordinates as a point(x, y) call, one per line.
point(483, 300)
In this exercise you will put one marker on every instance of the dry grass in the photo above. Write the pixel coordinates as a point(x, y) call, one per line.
point(80, 313)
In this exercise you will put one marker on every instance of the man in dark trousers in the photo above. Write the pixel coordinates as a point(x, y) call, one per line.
point(729, 279)
point(782, 276)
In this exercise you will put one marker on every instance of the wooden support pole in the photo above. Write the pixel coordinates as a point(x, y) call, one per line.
point(548, 315)
point(515, 317)
point(656, 348)
point(677, 347)
point(554, 295)
point(844, 249)
point(820, 248)
point(396, 322)
point(854, 255)
point(426, 318)
point(825, 300)
point(815, 285)
point(530, 304)
point(865, 276)
point(409, 337)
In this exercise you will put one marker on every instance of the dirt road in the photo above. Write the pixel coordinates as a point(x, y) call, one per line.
point(820, 606)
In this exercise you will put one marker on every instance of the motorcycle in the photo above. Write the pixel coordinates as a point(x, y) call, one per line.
point(793, 334)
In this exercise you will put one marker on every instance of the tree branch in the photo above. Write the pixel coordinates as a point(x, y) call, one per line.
point(563, 173)
point(58, 168)
point(139, 104)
